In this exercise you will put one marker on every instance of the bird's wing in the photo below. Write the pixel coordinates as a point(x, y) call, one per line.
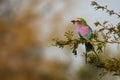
point(88, 36)
point(91, 29)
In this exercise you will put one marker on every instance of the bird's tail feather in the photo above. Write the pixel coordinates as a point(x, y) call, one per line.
point(89, 47)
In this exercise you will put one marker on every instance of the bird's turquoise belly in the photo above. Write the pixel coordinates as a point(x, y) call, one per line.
point(88, 36)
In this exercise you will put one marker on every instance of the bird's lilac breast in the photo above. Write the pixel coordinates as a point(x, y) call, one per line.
point(83, 31)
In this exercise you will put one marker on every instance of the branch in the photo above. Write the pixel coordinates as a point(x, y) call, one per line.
point(97, 6)
point(112, 42)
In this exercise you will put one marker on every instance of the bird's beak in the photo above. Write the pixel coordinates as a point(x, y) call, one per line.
point(73, 21)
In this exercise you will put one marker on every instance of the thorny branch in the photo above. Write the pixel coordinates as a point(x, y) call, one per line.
point(98, 6)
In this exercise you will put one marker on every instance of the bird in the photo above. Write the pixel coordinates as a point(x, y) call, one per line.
point(84, 32)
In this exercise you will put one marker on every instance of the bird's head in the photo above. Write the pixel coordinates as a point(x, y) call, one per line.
point(80, 20)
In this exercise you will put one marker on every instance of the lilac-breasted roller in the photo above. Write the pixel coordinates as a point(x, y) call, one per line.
point(85, 32)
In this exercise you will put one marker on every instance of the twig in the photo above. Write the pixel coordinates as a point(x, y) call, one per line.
point(112, 42)
point(98, 6)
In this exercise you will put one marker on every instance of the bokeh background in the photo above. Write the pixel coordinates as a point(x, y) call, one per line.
point(27, 30)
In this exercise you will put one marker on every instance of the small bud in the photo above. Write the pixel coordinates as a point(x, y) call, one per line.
point(105, 22)
point(96, 23)
point(94, 3)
